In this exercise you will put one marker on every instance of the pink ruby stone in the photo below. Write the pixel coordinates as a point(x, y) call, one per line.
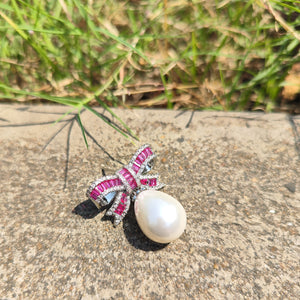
point(100, 188)
point(131, 180)
point(120, 209)
point(133, 184)
point(138, 160)
point(105, 185)
point(94, 194)
point(143, 155)
point(144, 181)
point(123, 171)
point(152, 182)
point(123, 198)
point(147, 151)
point(135, 168)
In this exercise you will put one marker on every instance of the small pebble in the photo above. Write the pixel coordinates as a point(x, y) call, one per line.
point(291, 186)
point(192, 250)
point(272, 211)
point(211, 192)
point(289, 224)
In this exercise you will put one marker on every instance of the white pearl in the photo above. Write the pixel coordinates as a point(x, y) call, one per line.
point(161, 217)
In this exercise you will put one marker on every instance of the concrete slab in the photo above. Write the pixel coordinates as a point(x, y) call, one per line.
point(236, 174)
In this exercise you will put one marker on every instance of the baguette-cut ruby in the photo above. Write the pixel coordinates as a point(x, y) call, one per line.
point(144, 181)
point(141, 156)
point(105, 184)
point(123, 171)
point(135, 168)
point(152, 182)
point(94, 194)
point(131, 181)
point(133, 184)
point(123, 199)
point(120, 209)
point(100, 188)
point(139, 160)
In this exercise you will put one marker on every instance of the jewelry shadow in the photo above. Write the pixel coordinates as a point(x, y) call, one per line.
point(134, 235)
point(87, 209)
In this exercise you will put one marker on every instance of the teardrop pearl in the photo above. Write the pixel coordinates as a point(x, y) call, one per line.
point(161, 217)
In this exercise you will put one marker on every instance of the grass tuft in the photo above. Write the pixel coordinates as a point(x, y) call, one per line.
point(229, 55)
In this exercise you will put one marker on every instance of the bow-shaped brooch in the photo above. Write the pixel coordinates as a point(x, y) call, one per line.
point(123, 187)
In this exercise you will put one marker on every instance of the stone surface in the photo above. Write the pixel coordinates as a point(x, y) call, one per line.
point(236, 174)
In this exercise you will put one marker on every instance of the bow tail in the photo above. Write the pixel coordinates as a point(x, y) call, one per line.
point(120, 207)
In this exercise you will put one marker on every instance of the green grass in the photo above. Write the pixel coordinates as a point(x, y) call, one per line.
point(229, 55)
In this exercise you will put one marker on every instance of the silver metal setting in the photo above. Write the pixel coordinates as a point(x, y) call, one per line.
point(110, 212)
point(138, 167)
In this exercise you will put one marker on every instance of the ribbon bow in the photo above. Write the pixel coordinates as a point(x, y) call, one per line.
point(125, 184)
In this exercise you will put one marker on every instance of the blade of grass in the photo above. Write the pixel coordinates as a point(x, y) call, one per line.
point(36, 47)
point(14, 26)
point(114, 115)
point(291, 7)
point(41, 30)
point(105, 85)
point(82, 129)
point(280, 20)
point(125, 43)
point(194, 55)
point(105, 120)
point(61, 100)
point(168, 94)
point(50, 17)
point(17, 11)
point(96, 29)
point(236, 79)
point(6, 7)
point(64, 115)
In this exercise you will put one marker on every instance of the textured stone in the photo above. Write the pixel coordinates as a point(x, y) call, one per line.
point(227, 169)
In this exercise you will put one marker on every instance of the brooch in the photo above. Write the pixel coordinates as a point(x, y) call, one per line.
point(161, 217)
